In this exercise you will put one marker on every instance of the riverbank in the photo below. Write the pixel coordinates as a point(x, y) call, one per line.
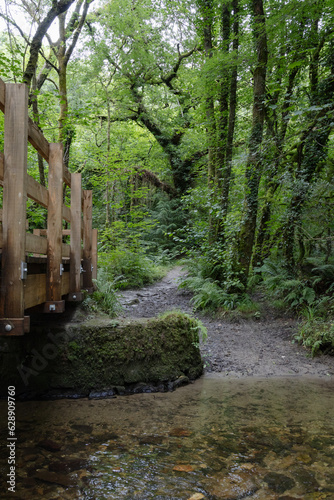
point(261, 346)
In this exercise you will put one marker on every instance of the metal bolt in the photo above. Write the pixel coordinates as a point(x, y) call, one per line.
point(74, 297)
point(8, 328)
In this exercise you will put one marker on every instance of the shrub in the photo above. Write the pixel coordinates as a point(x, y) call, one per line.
point(296, 293)
point(317, 335)
point(126, 269)
point(104, 298)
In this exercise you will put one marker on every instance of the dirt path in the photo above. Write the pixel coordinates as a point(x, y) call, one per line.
point(253, 347)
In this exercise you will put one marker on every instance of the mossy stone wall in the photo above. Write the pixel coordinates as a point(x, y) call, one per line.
point(102, 355)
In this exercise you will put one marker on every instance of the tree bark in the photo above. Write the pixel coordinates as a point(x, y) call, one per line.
point(231, 110)
point(254, 161)
point(57, 9)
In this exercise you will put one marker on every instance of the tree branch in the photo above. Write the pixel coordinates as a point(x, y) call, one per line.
point(57, 8)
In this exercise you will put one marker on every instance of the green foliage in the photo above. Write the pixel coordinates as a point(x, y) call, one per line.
point(296, 293)
point(104, 298)
point(317, 335)
point(324, 277)
point(170, 219)
point(200, 332)
point(126, 269)
point(208, 295)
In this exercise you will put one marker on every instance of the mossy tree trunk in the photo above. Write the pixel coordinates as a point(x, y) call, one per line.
point(254, 160)
point(228, 111)
point(312, 152)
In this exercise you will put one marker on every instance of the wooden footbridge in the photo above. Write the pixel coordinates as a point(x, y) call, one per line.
point(39, 271)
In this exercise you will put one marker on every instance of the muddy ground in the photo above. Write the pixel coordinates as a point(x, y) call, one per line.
point(236, 347)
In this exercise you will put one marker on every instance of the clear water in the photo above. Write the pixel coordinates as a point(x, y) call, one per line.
point(214, 439)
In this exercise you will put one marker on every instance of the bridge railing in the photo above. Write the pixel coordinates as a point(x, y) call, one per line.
point(39, 270)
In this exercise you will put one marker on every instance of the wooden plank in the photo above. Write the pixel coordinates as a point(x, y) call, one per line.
point(94, 255)
point(36, 244)
point(34, 290)
point(1, 167)
point(14, 200)
point(75, 233)
point(37, 140)
point(35, 136)
point(54, 238)
point(13, 327)
point(65, 284)
point(2, 95)
point(54, 307)
point(87, 244)
point(66, 213)
point(66, 250)
point(65, 232)
point(37, 192)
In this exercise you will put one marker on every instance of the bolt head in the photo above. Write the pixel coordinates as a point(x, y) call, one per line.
point(8, 328)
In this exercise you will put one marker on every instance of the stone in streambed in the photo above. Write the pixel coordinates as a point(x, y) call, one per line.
point(65, 466)
point(50, 445)
point(233, 486)
point(54, 478)
point(279, 482)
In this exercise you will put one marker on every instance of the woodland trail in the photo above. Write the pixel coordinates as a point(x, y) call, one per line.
point(235, 347)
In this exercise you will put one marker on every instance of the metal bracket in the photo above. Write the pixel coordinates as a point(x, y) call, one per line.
point(57, 306)
point(14, 326)
point(24, 270)
point(82, 270)
point(75, 297)
point(61, 269)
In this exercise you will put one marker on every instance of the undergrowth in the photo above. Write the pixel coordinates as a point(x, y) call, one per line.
point(308, 293)
point(317, 335)
point(119, 270)
point(104, 298)
point(127, 269)
point(213, 296)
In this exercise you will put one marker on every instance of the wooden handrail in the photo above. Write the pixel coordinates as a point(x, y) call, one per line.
point(57, 266)
point(35, 135)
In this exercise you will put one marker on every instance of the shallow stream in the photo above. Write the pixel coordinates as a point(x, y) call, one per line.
point(214, 439)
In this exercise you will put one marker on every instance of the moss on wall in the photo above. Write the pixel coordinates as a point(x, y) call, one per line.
point(103, 355)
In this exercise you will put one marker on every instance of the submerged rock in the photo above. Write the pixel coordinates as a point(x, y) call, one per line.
point(279, 482)
point(101, 357)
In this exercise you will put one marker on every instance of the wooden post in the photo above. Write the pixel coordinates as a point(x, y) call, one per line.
point(87, 243)
point(94, 255)
point(14, 210)
point(55, 219)
point(75, 262)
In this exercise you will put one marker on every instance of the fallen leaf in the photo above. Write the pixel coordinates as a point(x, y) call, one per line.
point(197, 496)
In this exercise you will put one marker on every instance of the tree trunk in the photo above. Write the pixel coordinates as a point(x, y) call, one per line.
point(57, 9)
point(232, 107)
point(254, 161)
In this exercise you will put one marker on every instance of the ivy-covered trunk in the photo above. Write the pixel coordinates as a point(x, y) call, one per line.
point(254, 160)
point(311, 154)
point(230, 110)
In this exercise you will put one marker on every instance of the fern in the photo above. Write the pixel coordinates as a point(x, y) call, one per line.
point(295, 292)
point(316, 335)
